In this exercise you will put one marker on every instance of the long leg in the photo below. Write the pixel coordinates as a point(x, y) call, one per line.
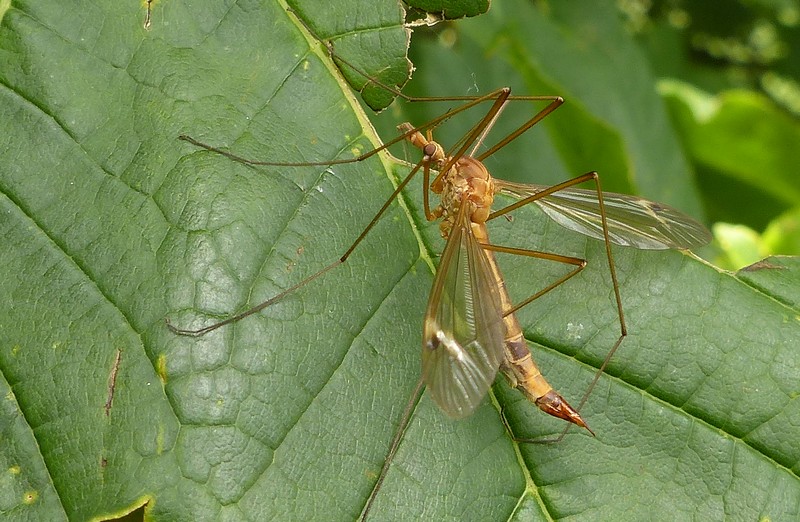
point(477, 130)
point(342, 61)
point(499, 96)
point(398, 436)
point(578, 263)
point(320, 273)
point(494, 95)
point(589, 176)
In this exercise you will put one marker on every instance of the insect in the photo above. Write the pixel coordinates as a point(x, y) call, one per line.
point(470, 332)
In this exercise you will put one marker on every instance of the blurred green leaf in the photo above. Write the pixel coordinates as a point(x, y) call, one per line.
point(741, 72)
point(109, 225)
point(753, 46)
point(739, 245)
point(782, 235)
point(746, 139)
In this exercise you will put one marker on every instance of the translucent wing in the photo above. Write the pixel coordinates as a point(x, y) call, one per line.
point(632, 221)
point(464, 331)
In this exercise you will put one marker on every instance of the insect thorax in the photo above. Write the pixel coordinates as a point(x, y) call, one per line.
point(466, 181)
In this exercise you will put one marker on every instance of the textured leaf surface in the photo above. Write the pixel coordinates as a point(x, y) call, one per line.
point(109, 225)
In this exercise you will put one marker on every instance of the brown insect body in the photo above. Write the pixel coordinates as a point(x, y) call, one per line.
point(467, 182)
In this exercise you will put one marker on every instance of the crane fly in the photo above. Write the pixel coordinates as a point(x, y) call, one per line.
point(470, 331)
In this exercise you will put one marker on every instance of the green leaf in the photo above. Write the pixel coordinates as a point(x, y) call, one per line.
point(110, 224)
point(783, 233)
point(739, 246)
point(374, 42)
point(451, 9)
point(776, 276)
point(747, 143)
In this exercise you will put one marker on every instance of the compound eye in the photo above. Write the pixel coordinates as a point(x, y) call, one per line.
point(429, 149)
